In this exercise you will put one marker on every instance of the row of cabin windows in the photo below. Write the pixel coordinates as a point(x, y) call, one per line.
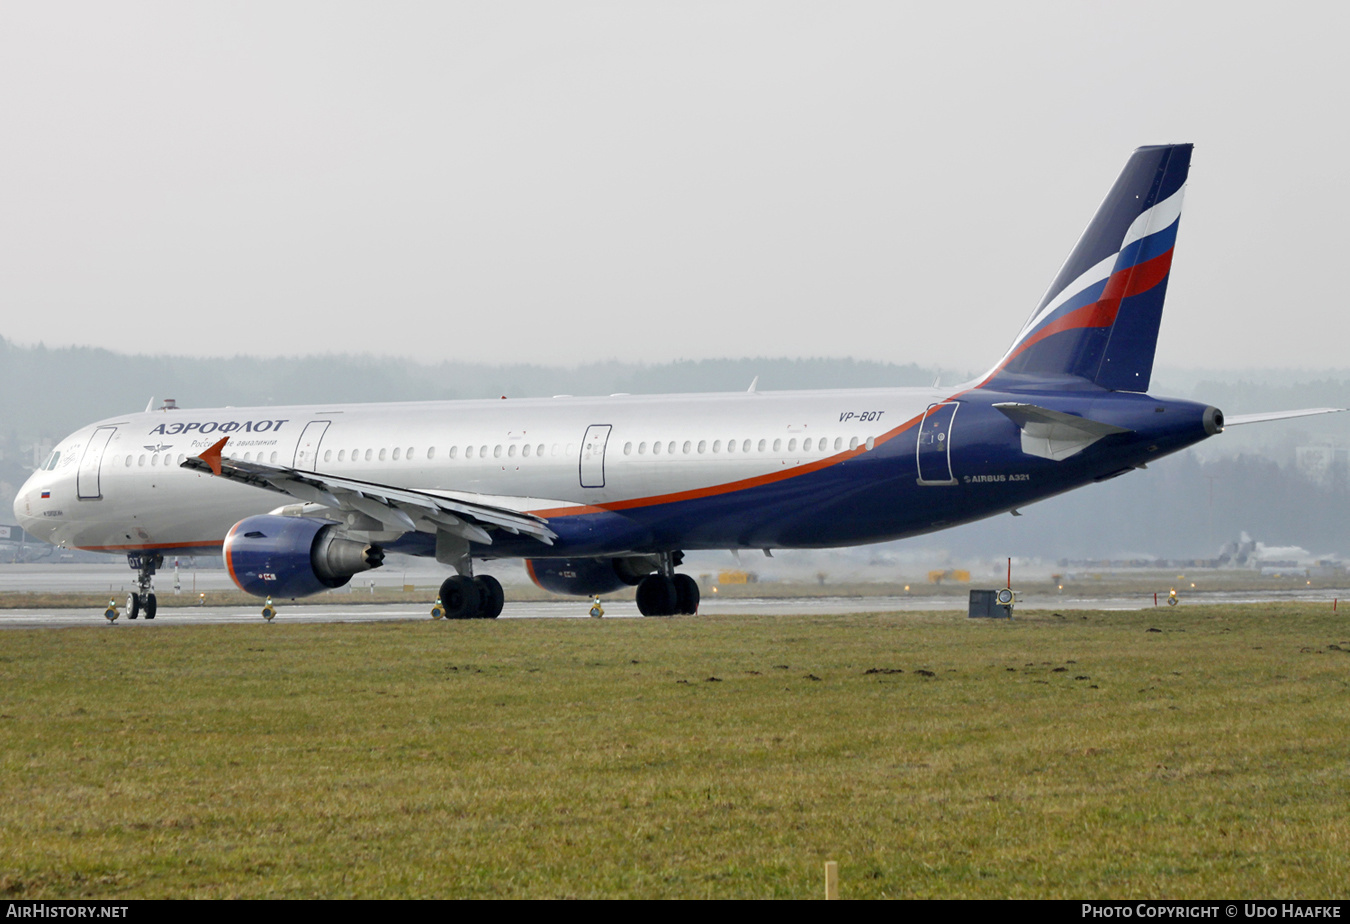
point(809, 444)
point(168, 458)
point(657, 448)
point(470, 452)
point(527, 450)
point(373, 455)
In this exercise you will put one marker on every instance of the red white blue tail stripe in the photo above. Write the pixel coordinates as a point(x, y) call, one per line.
point(1099, 320)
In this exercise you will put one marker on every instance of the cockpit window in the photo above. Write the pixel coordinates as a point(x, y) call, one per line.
point(51, 461)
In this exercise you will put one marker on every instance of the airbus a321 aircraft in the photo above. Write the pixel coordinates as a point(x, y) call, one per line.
point(598, 493)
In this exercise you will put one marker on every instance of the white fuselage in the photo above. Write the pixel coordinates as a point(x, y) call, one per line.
point(117, 485)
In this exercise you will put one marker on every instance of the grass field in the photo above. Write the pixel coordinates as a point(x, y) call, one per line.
point(1076, 755)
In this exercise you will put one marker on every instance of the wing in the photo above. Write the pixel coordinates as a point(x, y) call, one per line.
point(396, 509)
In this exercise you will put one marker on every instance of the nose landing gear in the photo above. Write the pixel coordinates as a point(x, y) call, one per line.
point(142, 600)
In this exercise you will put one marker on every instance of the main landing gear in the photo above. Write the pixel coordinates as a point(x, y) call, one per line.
point(142, 600)
point(666, 593)
point(465, 597)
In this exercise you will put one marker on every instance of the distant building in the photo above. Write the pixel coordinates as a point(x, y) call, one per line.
point(1324, 465)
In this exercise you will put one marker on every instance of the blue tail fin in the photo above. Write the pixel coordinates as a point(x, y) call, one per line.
point(1099, 319)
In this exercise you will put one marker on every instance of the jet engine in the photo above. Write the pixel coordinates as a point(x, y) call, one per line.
point(294, 556)
point(586, 577)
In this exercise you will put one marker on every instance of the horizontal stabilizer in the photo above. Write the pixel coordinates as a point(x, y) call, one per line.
point(389, 508)
point(1054, 435)
point(1238, 420)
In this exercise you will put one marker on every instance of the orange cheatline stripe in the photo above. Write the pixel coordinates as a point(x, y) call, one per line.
point(732, 486)
point(529, 569)
point(229, 561)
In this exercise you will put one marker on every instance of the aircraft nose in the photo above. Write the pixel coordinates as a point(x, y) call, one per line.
point(28, 505)
point(23, 504)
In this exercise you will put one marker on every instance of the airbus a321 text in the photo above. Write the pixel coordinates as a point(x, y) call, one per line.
point(598, 493)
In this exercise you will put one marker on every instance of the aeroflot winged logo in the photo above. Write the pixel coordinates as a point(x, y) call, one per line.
point(219, 426)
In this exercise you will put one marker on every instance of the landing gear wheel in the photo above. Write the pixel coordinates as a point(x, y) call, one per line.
point(686, 595)
point(491, 598)
point(145, 566)
point(459, 596)
point(656, 596)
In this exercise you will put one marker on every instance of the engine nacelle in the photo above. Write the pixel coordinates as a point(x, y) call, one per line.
point(294, 556)
point(586, 577)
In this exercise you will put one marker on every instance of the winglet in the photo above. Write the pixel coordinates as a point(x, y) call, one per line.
point(212, 456)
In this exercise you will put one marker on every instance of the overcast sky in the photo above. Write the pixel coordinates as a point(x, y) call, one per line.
point(560, 182)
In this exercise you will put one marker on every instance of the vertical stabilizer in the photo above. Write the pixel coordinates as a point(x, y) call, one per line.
point(1099, 319)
